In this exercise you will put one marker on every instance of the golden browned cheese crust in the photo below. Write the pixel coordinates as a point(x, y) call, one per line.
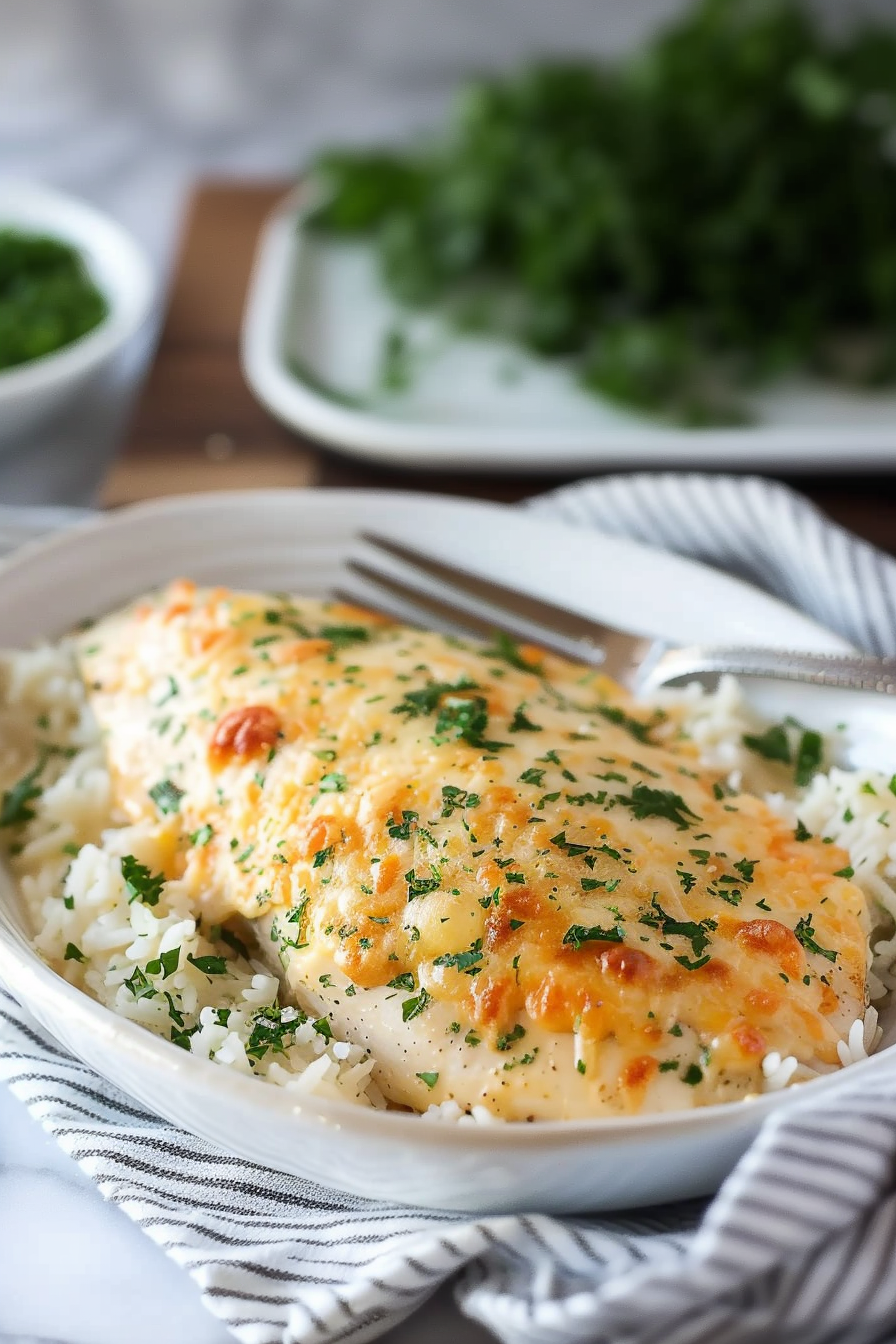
point(514, 884)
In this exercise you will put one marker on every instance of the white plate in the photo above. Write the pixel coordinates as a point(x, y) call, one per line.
point(299, 541)
point(314, 320)
point(30, 393)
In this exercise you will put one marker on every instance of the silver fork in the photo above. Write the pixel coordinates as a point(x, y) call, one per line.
point(421, 590)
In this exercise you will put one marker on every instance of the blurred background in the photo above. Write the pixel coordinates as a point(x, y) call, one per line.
point(128, 104)
point(125, 102)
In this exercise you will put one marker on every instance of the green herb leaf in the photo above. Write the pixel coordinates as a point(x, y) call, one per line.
point(773, 744)
point(806, 936)
point(462, 961)
point(506, 1041)
point(15, 809)
point(577, 934)
point(647, 802)
point(165, 964)
point(208, 965)
point(412, 1008)
point(166, 796)
point(141, 884)
point(808, 757)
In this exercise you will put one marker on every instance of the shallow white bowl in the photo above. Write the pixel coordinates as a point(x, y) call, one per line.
point(30, 393)
point(299, 541)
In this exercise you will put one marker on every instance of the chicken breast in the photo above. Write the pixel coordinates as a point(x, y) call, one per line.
point(489, 866)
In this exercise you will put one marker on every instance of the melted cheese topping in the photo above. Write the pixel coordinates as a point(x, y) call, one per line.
point(514, 884)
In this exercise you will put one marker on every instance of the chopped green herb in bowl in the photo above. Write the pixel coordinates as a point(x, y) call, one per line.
point(47, 297)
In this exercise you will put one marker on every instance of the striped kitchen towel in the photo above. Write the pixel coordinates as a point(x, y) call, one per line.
point(798, 1244)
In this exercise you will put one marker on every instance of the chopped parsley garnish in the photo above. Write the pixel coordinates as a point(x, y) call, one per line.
point(845, 872)
point(141, 884)
point(692, 1075)
point(697, 934)
point(745, 868)
point(403, 981)
point(335, 782)
point(506, 1041)
point(270, 1032)
point(426, 701)
point(208, 965)
point(454, 798)
point(421, 886)
point(598, 884)
point(805, 935)
point(165, 964)
point(171, 690)
point(412, 1008)
point(668, 1065)
point(693, 964)
point(341, 636)
point(464, 720)
point(647, 802)
point(14, 808)
point(401, 830)
point(574, 851)
point(536, 777)
point(506, 648)
point(181, 1037)
point(638, 730)
point(166, 796)
point(202, 836)
point(430, 1079)
point(521, 724)
point(808, 757)
point(463, 961)
point(140, 987)
point(577, 934)
point(773, 744)
point(73, 953)
point(802, 832)
point(321, 856)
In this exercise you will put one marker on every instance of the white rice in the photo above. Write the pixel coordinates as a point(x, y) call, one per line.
point(68, 861)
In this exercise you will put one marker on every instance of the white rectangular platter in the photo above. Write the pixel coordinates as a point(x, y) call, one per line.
point(312, 337)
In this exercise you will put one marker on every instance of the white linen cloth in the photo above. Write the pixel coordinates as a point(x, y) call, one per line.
point(797, 1246)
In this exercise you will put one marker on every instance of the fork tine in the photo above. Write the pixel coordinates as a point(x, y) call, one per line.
point(462, 617)
point(532, 610)
point(464, 621)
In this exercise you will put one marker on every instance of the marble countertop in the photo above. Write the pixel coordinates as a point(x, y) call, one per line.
point(75, 1270)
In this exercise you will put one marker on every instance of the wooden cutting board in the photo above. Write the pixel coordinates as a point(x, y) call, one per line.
point(198, 427)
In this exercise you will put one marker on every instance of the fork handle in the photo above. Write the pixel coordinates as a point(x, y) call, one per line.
point(854, 672)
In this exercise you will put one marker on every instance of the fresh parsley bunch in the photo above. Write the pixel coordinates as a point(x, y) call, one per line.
point(712, 213)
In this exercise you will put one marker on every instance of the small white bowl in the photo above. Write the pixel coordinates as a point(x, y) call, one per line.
point(30, 393)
